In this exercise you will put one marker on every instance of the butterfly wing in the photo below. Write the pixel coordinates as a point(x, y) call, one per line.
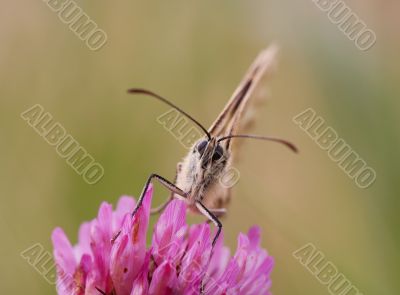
point(238, 113)
point(237, 116)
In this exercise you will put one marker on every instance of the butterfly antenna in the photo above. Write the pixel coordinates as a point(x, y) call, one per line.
point(164, 100)
point(268, 138)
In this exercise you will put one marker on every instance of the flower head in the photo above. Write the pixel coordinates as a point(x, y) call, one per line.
point(180, 259)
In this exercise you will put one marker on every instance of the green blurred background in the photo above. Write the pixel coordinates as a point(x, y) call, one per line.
point(195, 53)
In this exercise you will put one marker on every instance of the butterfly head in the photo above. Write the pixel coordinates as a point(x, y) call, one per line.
point(210, 152)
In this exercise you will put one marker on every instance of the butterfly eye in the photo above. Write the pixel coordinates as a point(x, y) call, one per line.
point(218, 153)
point(201, 147)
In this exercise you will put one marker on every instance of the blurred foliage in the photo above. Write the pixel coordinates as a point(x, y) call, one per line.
point(195, 53)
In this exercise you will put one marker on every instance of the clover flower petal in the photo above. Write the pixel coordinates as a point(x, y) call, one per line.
point(180, 259)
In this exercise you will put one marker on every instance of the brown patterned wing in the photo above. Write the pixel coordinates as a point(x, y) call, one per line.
point(238, 112)
point(238, 115)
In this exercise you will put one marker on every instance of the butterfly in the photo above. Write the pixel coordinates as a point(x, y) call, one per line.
point(197, 175)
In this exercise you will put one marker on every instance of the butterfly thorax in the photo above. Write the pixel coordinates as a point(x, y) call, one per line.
point(201, 170)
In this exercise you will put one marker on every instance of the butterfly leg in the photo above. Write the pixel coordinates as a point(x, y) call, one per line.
point(176, 191)
point(169, 185)
point(206, 212)
point(218, 212)
point(161, 208)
